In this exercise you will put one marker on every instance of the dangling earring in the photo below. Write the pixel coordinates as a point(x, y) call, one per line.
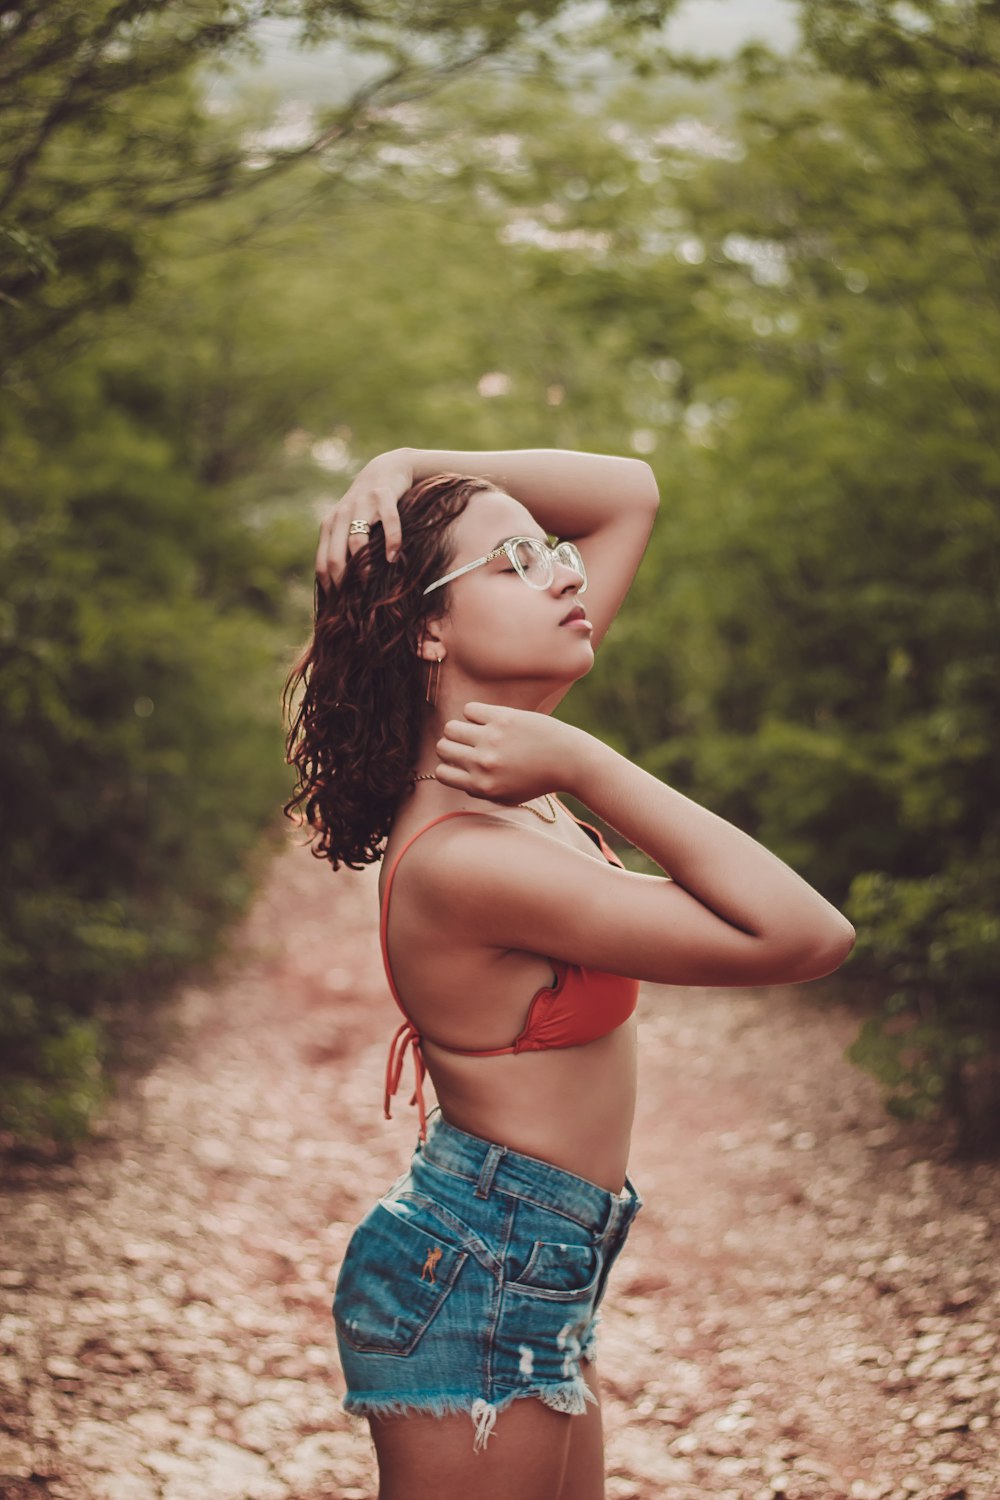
point(431, 693)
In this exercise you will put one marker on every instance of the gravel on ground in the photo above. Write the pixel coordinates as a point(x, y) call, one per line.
point(807, 1306)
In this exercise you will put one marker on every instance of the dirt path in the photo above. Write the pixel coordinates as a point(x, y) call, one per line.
point(807, 1307)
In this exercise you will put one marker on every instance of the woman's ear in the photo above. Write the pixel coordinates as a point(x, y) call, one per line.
point(430, 648)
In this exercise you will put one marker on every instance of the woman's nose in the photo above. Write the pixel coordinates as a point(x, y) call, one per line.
point(564, 576)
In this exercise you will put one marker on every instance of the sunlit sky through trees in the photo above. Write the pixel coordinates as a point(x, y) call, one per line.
point(708, 27)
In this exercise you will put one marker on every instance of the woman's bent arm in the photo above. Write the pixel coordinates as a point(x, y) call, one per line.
point(733, 913)
point(729, 872)
point(571, 494)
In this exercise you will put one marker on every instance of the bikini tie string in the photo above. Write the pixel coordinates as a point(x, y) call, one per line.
point(406, 1036)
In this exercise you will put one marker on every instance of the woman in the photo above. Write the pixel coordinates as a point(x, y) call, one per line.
point(447, 631)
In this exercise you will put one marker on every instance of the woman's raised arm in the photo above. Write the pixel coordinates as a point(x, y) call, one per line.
point(733, 913)
point(571, 494)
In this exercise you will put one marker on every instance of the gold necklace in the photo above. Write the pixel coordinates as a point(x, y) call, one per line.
point(429, 776)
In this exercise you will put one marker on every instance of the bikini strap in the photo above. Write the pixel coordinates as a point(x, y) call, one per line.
point(406, 1036)
point(602, 842)
point(383, 923)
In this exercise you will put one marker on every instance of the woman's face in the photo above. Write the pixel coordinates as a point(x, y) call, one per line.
point(499, 632)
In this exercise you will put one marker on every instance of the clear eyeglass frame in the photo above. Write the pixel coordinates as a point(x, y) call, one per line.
point(566, 553)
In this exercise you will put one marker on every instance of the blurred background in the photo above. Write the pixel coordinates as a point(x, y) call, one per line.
point(246, 246)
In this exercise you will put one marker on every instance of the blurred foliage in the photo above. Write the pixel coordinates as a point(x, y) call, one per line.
point(776, 280)
point(785, 294)
point(140, 752)
point(805, 308)
point(155, 524)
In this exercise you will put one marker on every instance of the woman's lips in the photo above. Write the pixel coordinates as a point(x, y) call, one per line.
point(581, 622)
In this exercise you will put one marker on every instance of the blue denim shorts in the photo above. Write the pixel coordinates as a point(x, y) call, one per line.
point(474, 1280)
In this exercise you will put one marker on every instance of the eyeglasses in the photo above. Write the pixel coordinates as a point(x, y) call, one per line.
point(534, 561)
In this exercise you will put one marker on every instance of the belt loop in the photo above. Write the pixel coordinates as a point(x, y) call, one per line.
point(488, 1171)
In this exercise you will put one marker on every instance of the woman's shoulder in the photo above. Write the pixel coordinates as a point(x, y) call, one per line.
point(484, 827)
point(485, 822)
point(414, 821)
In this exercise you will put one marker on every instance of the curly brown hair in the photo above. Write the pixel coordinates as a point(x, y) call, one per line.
point(355, 736)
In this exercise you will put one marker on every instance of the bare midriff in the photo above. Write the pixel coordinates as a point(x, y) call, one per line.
point(571, 1106)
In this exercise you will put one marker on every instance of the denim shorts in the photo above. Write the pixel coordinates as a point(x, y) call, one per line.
point(475, 1280)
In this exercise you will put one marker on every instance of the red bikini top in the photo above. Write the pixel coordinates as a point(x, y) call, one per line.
point(581, 1006)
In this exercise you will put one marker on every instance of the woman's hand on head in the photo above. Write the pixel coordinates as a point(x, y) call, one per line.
point(505, 754)
point(372, 496)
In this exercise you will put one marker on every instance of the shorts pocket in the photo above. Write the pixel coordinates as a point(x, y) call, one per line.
point(557, 1271)
point(393, 1282)
point(438, 1219)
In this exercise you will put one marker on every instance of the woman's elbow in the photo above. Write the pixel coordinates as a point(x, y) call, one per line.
point(825, 954)
point(651, 487)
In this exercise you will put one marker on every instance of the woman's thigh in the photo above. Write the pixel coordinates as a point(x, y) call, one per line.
point(431, 1458)
point(547, 1455)
point(583, 1476)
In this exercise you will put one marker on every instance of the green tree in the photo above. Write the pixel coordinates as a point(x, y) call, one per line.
point(148, 532)
point(804, 306)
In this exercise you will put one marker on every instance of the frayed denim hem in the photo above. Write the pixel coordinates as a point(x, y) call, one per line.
point(569, 1396)
point(588, 1350)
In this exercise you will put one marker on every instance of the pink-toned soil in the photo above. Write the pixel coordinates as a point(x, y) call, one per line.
point(807, 1306)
